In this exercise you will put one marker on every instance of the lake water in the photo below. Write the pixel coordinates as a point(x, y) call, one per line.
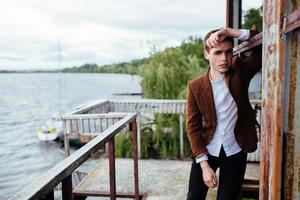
point(27, 101)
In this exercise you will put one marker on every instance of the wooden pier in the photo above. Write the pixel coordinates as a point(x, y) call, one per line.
point(158, 179)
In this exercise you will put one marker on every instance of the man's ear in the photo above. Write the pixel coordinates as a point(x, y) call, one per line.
point(206, 54)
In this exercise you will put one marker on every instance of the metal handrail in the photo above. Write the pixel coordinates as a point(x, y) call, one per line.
point(44, 185)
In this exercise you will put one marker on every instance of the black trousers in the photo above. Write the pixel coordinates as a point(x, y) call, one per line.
point(231, 176)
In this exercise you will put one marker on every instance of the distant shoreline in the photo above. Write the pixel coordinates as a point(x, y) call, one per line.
point(54, 71)
point(28, 71)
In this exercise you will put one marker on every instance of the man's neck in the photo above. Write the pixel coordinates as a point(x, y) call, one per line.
point(215, 75)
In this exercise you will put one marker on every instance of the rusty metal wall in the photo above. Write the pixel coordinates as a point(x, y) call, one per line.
point(291, 117)
point(272, 100)
point(280, 167)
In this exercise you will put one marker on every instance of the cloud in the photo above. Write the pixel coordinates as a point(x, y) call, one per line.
point(98, 31)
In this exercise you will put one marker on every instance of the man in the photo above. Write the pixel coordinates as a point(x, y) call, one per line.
point(220, 119)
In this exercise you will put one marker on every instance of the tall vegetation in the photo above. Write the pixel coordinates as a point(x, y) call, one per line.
point(165, 76)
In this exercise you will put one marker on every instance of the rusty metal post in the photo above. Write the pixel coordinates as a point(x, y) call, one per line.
point(112, 169)
point(234, 13)
point(237, 13)
point(229, 13)
point(67, 188)
point(272, 100)
point(135, 160)
point(66, 144)
point(237, 17)
point(66, 139)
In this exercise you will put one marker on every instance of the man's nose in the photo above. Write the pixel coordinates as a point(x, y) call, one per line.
point(224, 56)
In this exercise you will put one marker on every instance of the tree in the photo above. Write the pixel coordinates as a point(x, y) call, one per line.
point(253, 17)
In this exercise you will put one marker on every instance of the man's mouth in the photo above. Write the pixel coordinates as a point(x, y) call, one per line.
point(223, 65)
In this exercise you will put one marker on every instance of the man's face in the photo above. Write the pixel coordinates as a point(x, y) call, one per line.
point(220, 57)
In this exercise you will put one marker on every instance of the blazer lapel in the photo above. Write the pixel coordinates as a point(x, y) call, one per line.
point(208, 97)
point(228, 76)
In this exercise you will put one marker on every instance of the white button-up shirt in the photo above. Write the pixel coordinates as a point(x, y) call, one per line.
point(226, 112)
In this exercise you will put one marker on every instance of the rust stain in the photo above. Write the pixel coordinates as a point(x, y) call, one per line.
point(288, 166)
point(298, 179)
point(276, 162)
point(269, 13)
point(264, 165)
point(273, 85)
point(293, 83)
point(271, 48)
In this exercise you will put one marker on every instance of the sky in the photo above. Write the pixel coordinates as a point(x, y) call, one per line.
point(99, 31)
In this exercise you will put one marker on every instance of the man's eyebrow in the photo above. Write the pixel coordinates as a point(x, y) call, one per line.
point(223, 50)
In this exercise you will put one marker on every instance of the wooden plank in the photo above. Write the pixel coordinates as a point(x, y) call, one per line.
point(89, 107)
point(147, 105)
point(96, 116)
point(107, 194)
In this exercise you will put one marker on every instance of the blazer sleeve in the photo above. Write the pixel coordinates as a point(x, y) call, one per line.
point(194, 125)
point(252, 64)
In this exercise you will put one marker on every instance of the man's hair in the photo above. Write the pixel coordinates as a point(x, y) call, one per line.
point(229, 39)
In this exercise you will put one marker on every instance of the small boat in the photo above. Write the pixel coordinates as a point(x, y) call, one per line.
point(51, 131)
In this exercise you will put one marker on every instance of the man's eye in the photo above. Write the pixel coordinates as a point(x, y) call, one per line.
point(218, 52)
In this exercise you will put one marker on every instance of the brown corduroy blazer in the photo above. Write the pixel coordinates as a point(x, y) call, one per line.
point(201, 114)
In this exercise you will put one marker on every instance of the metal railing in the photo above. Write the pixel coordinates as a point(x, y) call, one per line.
point(43, 187)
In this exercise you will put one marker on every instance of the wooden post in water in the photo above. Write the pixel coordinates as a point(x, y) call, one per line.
point(66, 139)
